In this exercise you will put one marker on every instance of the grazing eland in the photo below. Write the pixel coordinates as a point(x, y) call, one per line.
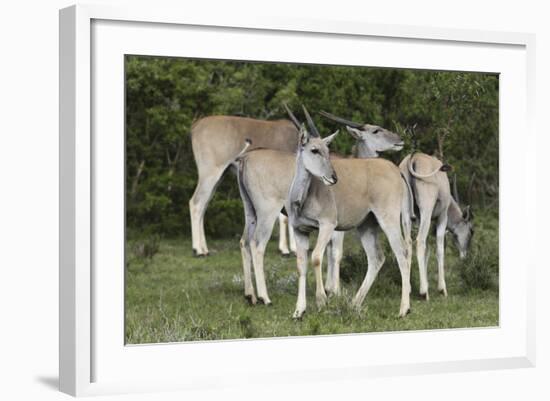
point(432, 194)
point(368, 190)
point(216, 142)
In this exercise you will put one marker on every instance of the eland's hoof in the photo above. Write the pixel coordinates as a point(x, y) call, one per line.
point(298, 314)
point(265, 301)
point(321, 300)
point(424, 297)
point(251, 299)
point(285, 254)
point(356, 307)
point(402, 314)
point(443, 292)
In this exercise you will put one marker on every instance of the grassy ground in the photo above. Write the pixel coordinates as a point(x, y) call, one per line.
point(172, 296)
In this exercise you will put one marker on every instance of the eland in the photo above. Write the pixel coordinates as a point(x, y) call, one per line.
point(432, 194)
point(216, 142)
point(368, 194)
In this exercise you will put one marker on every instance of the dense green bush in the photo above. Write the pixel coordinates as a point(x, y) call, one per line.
point(354, 267)
point(453, 115)
point(145, 247)
point(477, 271)
point(480, 269)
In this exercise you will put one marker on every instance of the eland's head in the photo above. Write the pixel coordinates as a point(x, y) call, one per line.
point(463, 232)
point(314, 151)
point(463, 227)
point(315, 156)
point(374, 138)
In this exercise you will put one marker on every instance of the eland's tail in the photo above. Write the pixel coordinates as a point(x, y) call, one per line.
point(443, 167)
point(247, 143)
point(249, 209)
point(407, 215)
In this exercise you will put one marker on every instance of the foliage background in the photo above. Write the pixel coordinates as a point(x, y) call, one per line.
point(453, 115)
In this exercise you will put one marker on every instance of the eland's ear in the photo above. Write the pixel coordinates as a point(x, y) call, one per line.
point(329, 138)
point(467, 214)
point(353, 132)
point(304, 135)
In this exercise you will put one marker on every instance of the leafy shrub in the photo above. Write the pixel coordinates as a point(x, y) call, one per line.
point(165, 96)
point(147, 247)
point(247, 327)
point(479, 269)
point(314, 326)
point(200, 331)
point(353, 267)
point(224, 218)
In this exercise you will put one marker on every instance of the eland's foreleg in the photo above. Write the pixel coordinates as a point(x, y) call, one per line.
point(302, 245)
point(197, 208)
point(283, 237)
point(325, 233)
point(335, 251)
point(291, 239)
point(440, 239)
point(330, 265)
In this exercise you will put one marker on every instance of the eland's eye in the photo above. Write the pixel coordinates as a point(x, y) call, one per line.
point(376, 131)
point(315, 151)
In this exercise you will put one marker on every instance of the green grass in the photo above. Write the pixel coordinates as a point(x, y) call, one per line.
point(172, 296)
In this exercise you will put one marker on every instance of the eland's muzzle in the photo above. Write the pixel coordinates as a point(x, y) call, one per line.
point(333, 179)
point(399, 146)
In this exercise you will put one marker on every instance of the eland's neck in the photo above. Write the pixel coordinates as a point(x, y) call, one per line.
point(364, 151)
point(299, 188)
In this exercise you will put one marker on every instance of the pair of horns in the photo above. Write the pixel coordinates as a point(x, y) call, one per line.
point(341, 120)
point(313, 129)
point(467, 211)
point(325, 114)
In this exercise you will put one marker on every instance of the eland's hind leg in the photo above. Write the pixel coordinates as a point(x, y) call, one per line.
point(440, 239)
point(258, 243)
point(390, 224)
point(422, 249)
point(197, 207)
point(368, 233)
point(246, 255)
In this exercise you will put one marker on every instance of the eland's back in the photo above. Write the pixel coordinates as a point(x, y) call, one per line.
point(217, 140)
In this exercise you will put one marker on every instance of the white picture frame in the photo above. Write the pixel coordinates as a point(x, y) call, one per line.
point(93, 357)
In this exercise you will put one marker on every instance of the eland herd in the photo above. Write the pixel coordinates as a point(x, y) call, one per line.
point(286, 172)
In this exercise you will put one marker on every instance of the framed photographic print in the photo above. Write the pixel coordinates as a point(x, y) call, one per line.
point(237, 191)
